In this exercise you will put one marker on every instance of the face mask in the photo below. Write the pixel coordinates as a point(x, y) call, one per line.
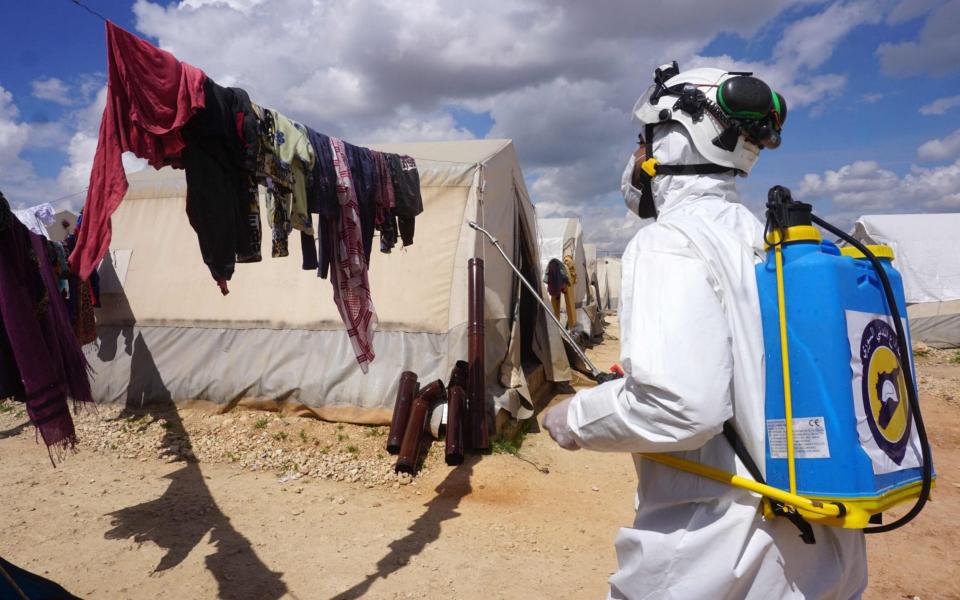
point(638, 201)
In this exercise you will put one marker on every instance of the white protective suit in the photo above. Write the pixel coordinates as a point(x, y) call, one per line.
point(692, 350)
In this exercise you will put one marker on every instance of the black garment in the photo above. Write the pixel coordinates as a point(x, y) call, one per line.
point(10, 383)
point(221, 145)
point(363, 171)
point(322, 179)
point(406, 191)
point(388, 233)
point(322, 200)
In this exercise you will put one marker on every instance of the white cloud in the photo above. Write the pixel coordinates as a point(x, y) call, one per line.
point(907, 10)
point(866, 186)
point(53, 90)
point(940, 106)
point(940, 148)
point(13, 134)
point(872, 98)
point(936, 51)
point(559, 77)
point(18, 180)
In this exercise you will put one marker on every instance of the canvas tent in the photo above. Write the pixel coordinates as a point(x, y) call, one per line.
point(277, 338)
point(590, 253)
point(608, 282)
point(561, 237)
point(927, 256)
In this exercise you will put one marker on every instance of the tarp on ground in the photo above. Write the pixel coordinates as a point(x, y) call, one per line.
point(165, 331)
point(927, 255)
point(561, 237)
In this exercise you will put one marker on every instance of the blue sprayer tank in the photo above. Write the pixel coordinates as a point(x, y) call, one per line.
point(854, 438)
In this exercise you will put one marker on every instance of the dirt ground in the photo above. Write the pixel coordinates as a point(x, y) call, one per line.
point(160, 506)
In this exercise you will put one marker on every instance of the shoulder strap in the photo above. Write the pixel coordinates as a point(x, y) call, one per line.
point(701, 169)
point(806, 531)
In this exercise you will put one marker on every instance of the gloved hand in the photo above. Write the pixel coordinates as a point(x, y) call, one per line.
point(555, 422)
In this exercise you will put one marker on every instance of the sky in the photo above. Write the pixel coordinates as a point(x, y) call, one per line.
point(873, 87)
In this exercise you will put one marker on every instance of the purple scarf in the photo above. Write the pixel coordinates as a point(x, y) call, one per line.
point(35, 318)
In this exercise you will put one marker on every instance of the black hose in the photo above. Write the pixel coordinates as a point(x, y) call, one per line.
point(905, 359)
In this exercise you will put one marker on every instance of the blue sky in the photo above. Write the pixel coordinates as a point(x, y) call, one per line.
point(557, 78)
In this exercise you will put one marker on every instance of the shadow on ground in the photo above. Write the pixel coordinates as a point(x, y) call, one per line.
point(423, 531)
point(181, 518)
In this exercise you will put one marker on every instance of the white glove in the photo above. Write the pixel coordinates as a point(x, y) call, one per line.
point(555, 422)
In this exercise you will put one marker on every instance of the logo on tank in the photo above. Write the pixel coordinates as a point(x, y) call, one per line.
point(884, 391)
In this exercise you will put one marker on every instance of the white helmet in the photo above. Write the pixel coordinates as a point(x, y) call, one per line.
point(729, 116)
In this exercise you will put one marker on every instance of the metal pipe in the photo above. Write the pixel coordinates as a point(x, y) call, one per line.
point(410, 449)
point(406, 390)
point(476, 355)
point(456, 411)
point(594, 371)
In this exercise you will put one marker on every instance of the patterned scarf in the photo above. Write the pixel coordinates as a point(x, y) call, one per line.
point(351, 288)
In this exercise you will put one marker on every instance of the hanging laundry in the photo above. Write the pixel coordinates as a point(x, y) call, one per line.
point(150, 97)
point(37, 341)
point(221, 196)
point(406, 189)
point(37, 218)
point(557, 277)
point(385, 202)
point(351, 289)
point(321, 200)
point(286, 156)
point(363, 170)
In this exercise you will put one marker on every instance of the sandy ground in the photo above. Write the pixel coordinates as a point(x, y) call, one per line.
point(115, 525)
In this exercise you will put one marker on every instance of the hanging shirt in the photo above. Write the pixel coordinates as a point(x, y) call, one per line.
point(293, 147)
point(150, 97)
point(220, 197)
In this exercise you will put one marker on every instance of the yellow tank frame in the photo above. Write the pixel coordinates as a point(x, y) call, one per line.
point(849, 513)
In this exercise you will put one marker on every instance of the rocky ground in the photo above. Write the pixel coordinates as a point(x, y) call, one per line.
point(288, 446)
point(187, 504)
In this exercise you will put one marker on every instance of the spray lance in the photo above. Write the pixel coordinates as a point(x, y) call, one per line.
point(597, 375)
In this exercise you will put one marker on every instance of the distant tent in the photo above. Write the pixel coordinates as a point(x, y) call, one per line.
point(608, 281)
point(564, 237)
point(277, 339)
point(928, 257)
point(590, 252)
point(63, 224)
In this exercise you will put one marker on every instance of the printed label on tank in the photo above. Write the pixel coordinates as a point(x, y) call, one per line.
point(884, 423)
point(809, 438)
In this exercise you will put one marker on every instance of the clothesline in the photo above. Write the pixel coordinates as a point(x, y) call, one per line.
point(89, 10)
point(172, 114)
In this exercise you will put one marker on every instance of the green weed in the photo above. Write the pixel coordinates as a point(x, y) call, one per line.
point(280, 436)
point(261, 423)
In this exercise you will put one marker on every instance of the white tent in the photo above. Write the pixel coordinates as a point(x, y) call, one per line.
point(608, 281)
point(590, 253)
point(277, 338)
point(561, 237)
point(927, 255)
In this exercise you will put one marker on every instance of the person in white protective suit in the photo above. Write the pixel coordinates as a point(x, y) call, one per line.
point(692, 351)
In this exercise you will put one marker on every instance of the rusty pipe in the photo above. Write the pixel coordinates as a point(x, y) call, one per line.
point(406, 390)
point(456, 411)
point(476, 350)
point(413, 435)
